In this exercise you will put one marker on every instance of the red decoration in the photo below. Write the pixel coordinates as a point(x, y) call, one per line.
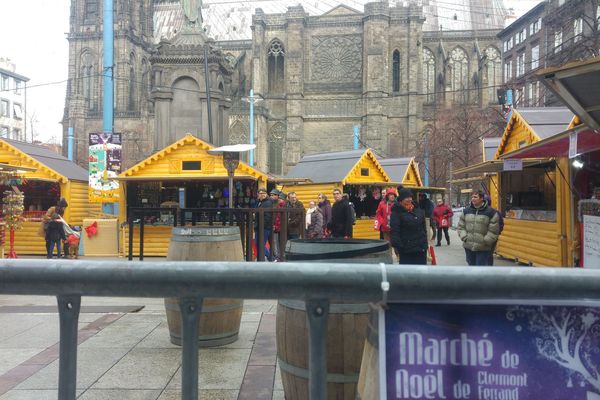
point(432, 253)
point(92, 230)
point(12, 253)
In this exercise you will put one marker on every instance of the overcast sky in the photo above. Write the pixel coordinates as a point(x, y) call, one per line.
point(33, 36)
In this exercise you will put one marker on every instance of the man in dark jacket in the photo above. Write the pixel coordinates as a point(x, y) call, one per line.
point(427, 206)
point(479, 228)
point(341, 216)
point(55, 234)
point(263, 203)
point(408, 231)
point(295, 219)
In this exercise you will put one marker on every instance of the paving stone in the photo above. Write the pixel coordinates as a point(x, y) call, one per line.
point(246, 336)
point(258, 383)
point(10, 358)
point(111, 394)
point(142, 369)
point(123, 334)
point(202, 394)
point(32, 395)
point(92, 364)
point(44, 333)
point(278, 395)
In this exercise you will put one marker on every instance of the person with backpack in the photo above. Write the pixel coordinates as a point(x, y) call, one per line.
point(341, 216)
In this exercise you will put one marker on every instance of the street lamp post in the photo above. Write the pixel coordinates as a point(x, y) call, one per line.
point(231, 160)
point(252, 100)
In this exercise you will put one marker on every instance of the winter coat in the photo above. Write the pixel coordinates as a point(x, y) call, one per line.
point(315, 228)
point(383, 215)
point(479, 228)
point(325, 207)
point(295, 220)
point(341, 219)
point(47, 217)
point(55, 231)
point(408, 234)
point(442, 212)
point(266, 204)
point(427, 206)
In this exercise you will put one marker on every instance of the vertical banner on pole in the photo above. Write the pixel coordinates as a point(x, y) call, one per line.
point(104, 164)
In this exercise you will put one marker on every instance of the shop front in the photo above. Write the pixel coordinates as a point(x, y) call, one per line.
point(48, 177)
point(534, 193)
point(357, 173)
point(181, 176)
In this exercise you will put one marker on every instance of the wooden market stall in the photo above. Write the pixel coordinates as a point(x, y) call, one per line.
point(535, 199)
point(54, 176)
point(182, 175)
point(402, 171)
point(356, 172)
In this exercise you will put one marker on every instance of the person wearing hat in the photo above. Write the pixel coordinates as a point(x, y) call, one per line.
point(278, 202)
point(265, 203)
point(384, 213)
point(408, 231)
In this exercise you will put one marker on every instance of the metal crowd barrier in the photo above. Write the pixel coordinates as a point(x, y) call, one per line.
point(318, 284)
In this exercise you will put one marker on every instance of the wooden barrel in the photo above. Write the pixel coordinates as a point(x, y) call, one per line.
point(368, 381)
point(220, 318)
point(346, 325)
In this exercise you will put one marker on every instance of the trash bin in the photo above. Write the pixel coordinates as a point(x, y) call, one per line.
point(220, 318)
point(346, 325)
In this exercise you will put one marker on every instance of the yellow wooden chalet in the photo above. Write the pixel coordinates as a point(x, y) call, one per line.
point(356, 172)
point(53, 177)
point(182, 175)
point(402, 171)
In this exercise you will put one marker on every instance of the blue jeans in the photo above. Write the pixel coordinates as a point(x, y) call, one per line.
point(50, 247)
point(478, 257)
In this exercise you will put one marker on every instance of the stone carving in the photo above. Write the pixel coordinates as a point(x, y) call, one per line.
point(337, 58)
point(192, 9)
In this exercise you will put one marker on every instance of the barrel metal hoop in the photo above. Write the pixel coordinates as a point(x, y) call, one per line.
point(334, 308)
point(290, 256)
point(210, 340)
point(207, 309)
point(303, 373)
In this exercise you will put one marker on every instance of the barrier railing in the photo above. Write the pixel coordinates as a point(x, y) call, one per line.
point(317, 284)
point(251, 222)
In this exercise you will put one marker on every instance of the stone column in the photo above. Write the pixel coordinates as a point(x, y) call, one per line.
point(162, 112)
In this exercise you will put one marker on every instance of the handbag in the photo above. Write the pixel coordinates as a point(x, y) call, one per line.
point(376, 225)
point(444, 223)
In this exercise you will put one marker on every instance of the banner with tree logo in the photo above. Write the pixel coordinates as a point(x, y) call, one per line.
point(104, 164)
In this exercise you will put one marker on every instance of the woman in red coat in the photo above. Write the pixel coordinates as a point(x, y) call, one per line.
point(442, 214)
point(384, 211)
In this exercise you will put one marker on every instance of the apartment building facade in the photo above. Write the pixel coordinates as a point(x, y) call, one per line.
point(12, 101)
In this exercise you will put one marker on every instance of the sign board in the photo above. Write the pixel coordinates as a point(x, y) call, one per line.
point(104, 164)
point(458, 351)
point(591, 241)
point(573, 144)
point(513, 165)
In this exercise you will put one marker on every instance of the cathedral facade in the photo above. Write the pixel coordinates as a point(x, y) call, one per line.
point(317, 74)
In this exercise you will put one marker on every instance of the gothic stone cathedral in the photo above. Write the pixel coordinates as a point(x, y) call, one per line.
point(318, 72)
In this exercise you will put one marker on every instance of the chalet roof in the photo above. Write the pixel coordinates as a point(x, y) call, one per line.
point(547, 121)
point(396, 167)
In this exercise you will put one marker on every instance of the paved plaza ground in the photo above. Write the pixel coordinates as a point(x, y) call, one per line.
point(128, 355)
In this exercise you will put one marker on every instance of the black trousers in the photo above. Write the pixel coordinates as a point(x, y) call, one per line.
point(419, 258)
point(439, 235)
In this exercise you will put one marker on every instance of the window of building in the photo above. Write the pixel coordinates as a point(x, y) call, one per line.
point(4, 82)
point(459, 74)
point(577, 29)
point(17, 134)
point(191, 165)
point(238, 133)
point(521, 64)
point(276, 67)
point(87, 80)
point(18, 86)
point(520, 37)
point(508, 70)
point(535, 57)
point(558, 41)
point(536, 25)
point(4, 108)
point(131, 103)
point(429, 75)
point(519, 97)
point(17, 111)
point(4, 131)
point(91, 10)
point(396, 71)
point(493, 71)
point(276, 139)
point(533, 94)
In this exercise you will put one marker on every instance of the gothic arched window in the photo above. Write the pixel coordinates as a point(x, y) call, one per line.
point(396, 71)
point(459, 74)
point(275, 142)
point(429, 75)
point(276, 66)
point(91, 10)
point(87, 79)
point(238, 133)
point(131, 103)
point(493, 71)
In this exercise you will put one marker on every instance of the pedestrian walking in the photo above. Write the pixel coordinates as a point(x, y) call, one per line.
point(263, 202)
point(479, 228)
point(384, 213)
point(295, 219)
point(276, 197)
point(427, 206)
point(325, 207)
point(314, 221)
point(341, 216)
point(442, 214)
point(408, 230)
point(55, 234)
